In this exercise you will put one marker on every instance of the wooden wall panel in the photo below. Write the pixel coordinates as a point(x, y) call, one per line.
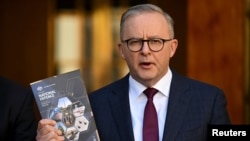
point(102, 44)
point(215, 48)
point(23, 40)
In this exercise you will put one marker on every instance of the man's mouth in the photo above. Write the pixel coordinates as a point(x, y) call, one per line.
point(145, 64)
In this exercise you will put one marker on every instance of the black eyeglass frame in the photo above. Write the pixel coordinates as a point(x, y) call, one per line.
point(142, 43)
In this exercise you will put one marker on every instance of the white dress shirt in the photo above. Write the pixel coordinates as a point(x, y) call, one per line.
point(138, 101)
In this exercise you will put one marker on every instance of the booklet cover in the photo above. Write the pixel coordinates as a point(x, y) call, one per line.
point(64, 99)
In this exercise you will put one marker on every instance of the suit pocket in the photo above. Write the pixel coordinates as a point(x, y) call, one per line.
point(192, 133)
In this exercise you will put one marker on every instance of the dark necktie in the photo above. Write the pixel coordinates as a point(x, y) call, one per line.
point(150, 121)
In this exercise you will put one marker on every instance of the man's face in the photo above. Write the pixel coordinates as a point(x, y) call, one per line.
point(145, 65)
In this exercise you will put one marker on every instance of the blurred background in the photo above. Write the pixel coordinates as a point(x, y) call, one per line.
point(39, 39)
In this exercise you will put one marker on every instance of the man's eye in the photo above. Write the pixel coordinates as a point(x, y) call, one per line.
point(134, 41)
point(155, 41)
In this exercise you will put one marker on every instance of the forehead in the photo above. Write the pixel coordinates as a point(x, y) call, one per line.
point(146, 24)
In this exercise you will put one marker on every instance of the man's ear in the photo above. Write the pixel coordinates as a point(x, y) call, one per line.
point(120, 49)
point(173, 48)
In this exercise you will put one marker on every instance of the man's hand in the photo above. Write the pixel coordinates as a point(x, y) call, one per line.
point(47, 132)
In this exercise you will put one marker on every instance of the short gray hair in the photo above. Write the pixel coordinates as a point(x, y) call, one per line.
point(143, 8)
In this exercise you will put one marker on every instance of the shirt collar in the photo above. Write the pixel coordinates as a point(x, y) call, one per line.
point(163, 86)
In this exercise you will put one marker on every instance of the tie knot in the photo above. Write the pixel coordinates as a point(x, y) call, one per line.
point(150, 92)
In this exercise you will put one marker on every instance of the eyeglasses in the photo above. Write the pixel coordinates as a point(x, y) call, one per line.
point(155, 44)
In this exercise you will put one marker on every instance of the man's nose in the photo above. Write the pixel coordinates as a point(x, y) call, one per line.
point(145, 46)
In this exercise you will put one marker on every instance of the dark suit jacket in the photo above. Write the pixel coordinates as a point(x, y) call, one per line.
point(192, 106)
point(17, 119)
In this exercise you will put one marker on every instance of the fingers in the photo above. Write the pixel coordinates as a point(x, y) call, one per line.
point(50, 136)
point(47, 132)
point(44, 122)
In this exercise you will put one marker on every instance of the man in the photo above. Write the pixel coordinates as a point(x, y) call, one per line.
point(184, 107)
point(17, 120)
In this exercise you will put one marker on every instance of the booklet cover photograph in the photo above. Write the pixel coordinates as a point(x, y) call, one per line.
point(64, 99)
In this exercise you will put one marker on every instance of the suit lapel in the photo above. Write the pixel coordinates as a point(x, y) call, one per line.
point(177, 107)
point(119, 103)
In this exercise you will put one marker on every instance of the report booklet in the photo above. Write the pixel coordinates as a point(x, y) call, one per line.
point(64, 99)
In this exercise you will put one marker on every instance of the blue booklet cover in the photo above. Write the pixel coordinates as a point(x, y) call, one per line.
point(64, 99)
